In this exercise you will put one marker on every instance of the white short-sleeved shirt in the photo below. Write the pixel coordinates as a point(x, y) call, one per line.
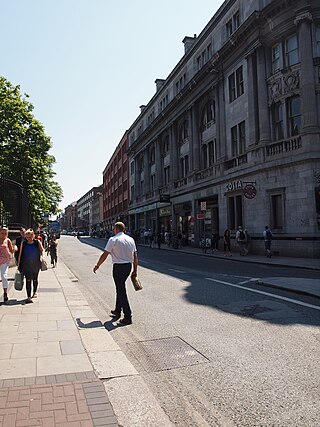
point(121, 248)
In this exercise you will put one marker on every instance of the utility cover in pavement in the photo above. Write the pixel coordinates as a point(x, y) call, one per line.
point(165, 353)
point(50, 289)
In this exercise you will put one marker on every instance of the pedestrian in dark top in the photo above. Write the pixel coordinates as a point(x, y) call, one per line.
point(53, 249)
point(29, 262)
point(123, 251)
point(159, 239)
point(267, 235)
point(19, 241)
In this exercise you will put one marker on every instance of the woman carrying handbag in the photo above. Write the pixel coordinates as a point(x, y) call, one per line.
point(6, 249)
point(29, 263)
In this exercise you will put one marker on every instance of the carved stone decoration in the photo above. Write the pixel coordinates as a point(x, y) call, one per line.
point(275, 91)
point(306, 16)
point(291, 82)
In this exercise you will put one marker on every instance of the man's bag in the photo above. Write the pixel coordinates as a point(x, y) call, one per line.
point(18, 281)
point(136, 283)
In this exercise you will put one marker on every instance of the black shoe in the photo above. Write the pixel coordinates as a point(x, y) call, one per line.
point(5, 297)
point(115, 314)
point(125, 321)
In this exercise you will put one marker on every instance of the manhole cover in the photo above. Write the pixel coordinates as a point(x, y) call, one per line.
point(166, 353)
point(49, 289)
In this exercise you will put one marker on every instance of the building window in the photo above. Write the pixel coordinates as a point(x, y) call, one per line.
point(166, 145)
point(294, 119)
point(277, 121)
point(132, 168)
point(152, 155)
point(208, 115)
point(212, 152)
point(166, 175)
point(181, 83)
point(318, 41)
point(184, 132)
point(276, 58)
point(184, 166)
point(234, 212)
point(153, 182)
point(277, 212)
point(141, 187)
point(233, 24)
point(204, 57)
point(291, 51)
point(238, 139)
point(229, 28)
point(236, 86)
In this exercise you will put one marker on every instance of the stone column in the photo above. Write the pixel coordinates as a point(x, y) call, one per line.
point(174, 165)
point(146, 170)
point(191, 141)
point(307, 81)
point(221, 121)
point(136, 178)
point(159, 167)
point(195, 139)
point(263, 107)
point(252, 99)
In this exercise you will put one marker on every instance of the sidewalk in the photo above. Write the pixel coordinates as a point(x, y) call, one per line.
point(59, 365)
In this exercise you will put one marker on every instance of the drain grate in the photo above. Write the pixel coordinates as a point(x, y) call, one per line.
point(166, 353)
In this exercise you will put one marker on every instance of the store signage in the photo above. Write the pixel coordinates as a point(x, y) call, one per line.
point(165, 211)
point(203, 206)
point(249, 191)
point(235, 185)
point(164, 198)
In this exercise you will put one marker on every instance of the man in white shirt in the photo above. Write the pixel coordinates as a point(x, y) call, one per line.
point(123, 251)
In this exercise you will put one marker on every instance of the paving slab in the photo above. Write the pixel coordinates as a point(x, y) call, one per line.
point(110, 364)
point(18, 337)
point(36, 350)
point(132, 412)
point(72, 347)
point(17, 368)
point(5, 351)
point(63, 364)
point(50, 325)
point(47, 336)
point(96, 340)
point(66, 325)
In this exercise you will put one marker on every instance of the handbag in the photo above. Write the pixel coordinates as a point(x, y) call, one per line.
point(136, 283)
point(18, 281)
point(44, 265)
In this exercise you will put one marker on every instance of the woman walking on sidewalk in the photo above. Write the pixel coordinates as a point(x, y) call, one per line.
point(6, 249)
point(30, 263)
point(227, 243)
point(53, 247)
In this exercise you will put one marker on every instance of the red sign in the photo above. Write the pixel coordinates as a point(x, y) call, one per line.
point(200, 216)
point(249, 191)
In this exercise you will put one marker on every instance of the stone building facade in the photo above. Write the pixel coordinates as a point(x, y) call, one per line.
point(231, 136)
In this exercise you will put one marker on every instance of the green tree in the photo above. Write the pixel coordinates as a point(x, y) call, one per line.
point(24, 151)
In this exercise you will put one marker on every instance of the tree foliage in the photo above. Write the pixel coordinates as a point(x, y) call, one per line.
point(24, 151)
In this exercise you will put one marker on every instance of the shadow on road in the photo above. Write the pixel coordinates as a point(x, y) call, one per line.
point(224, 297)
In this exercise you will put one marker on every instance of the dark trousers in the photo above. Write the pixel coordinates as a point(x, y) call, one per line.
point(120, 274)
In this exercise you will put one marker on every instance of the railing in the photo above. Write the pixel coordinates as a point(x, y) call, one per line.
point(150, 195)
point(205, 173)
point(180, 183)
point(236, 161)
point(283, 146)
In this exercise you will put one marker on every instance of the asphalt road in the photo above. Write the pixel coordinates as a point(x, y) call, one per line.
point(214, 346)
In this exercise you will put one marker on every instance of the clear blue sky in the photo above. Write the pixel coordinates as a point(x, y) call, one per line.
point(88, 65)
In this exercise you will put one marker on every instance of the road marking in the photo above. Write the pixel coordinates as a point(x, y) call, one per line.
point(304, 304)
point(177, 271)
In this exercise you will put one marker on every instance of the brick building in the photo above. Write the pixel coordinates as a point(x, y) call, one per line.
point(116, 186)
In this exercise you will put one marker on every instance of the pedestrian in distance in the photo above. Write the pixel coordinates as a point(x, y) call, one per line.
point(241, 240)
point(18, 243)
point(247, 241)
point(53, 249)
point(159, 239)
point(6, 249)
point(267, 235)
point(123, 251)
point(227, 243)
point(29, 263)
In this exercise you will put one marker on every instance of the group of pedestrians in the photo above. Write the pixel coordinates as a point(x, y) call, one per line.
point(28, 253)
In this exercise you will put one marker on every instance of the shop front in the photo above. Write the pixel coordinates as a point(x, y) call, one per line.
point(183, 222)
